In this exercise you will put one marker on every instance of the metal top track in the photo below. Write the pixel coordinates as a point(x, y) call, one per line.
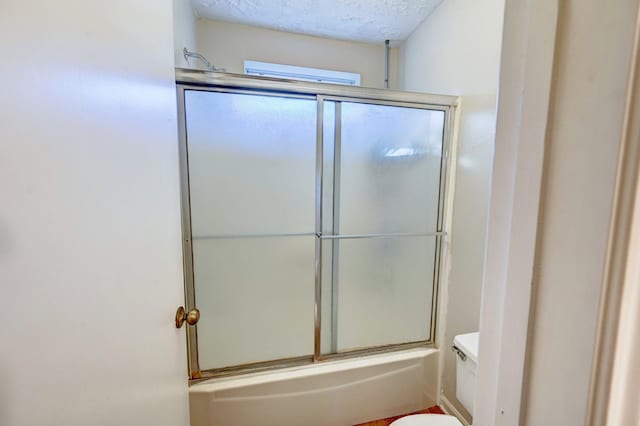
point(211, 78)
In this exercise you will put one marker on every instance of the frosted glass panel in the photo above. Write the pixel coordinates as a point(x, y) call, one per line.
point(384, 291)
point(256, 296)
point(389, 169)
point(251, 163)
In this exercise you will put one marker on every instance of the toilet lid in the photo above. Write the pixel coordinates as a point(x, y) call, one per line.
point(427, 420)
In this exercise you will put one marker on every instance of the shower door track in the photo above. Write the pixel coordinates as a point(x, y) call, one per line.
point(187, 79)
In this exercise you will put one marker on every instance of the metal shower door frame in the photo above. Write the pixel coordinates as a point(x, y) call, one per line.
point(241, 84)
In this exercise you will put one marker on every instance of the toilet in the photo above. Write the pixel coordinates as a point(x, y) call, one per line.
point(427, 420)
point(466, 348)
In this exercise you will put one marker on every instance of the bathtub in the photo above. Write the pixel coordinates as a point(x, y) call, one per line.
point(332, 393)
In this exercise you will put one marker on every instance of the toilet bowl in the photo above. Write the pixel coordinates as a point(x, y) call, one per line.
point(427, 420)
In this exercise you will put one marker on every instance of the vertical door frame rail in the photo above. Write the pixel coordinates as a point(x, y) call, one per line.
point(187, 79)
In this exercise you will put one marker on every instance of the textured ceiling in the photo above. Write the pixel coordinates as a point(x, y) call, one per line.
point(370, 21)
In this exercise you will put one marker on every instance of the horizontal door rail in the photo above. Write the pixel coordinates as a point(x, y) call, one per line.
point(322, 236)
point(186, 76)
point(390, 235)
point(227, 236)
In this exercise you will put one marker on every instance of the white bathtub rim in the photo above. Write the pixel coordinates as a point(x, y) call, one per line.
point(325, 367)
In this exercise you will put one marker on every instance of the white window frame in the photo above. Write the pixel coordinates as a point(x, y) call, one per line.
point(292, 72)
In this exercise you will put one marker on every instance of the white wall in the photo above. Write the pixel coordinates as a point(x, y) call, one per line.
point(591, 67)
point(228, 45)
point(184, 33)
point(90, 255)
point(456, 51)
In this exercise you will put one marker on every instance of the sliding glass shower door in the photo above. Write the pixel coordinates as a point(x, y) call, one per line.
point(252, 190)
point(381, 224)
point(313, 224)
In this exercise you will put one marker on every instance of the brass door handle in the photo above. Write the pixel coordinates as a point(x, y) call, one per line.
point(190, 317)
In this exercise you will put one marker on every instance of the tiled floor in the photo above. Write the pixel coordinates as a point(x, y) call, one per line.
point(386, 422)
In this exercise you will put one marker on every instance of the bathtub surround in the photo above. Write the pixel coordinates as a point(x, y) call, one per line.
point(434, 59)
point(343, 392)
point(457, 37)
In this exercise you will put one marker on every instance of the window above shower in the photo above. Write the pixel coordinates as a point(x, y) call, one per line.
point(313, 222)
point(266, 69)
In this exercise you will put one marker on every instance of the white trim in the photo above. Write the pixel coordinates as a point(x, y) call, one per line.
point(291, 72)
point(615, 389)
point(448, 408)
point(525, 83)
point(445, 267)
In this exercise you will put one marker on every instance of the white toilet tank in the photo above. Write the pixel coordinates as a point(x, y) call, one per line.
point(466, 348)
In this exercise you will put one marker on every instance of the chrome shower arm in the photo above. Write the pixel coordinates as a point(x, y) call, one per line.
point(197, 55)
